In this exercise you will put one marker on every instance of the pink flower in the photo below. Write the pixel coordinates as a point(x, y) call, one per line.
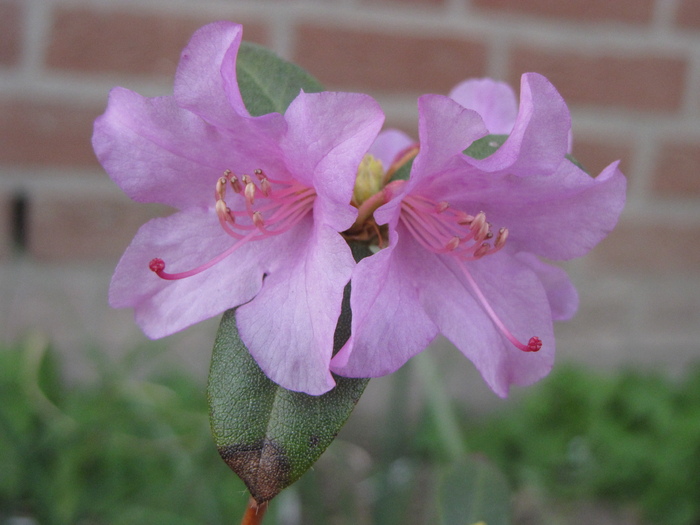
point(260, 203)
point(463, 237)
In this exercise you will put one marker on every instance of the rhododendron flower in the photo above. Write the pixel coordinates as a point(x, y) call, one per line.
point(261, 201)
point(462, 237)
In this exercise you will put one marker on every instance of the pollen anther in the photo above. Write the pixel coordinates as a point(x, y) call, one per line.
point(442, 206)
point(250, 192)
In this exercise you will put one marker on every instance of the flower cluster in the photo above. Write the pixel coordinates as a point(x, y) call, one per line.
point(267, 206)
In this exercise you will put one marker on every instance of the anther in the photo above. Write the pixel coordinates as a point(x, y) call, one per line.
point(258, 220)
point(224, 212)
point(249, 191)
point(221, 187)
point(464, 219)
point(265, 186)
point(259, 174)
point(452, 244)
point(235, 184)
point(482, 233)
point(501, 238)
point(442, 206)
point(478, 223)
point(482, 250)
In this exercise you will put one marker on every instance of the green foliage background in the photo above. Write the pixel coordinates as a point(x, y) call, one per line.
point(122, 450)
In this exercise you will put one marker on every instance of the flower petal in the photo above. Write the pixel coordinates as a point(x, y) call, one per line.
point(185, 240)
point(518, 298)
point(158, 152)
point(445, 129)
point(495, 101)
point(328, 134)
point(561, 293)
point(389, 325)
point(205, 82)
point(558, 216)
point(540, 137)
point(388, 144)
point(290, 325)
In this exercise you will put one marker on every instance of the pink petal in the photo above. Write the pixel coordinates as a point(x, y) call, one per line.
point(185, 241)
point(158, 152)
point(559, 216)
point(445, 129)
point(389, 144)
point(290, 325)
point(205, 82)
point(389, 325)
point(540, 137)
point(328, 134)
point(518, 298)
point(561, 293)
point(494, 101)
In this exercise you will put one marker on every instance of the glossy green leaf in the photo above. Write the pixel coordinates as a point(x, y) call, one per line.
point(267, 83)
point(268, 435)
point(472, 491)
point(485, 146)
point(488, 145)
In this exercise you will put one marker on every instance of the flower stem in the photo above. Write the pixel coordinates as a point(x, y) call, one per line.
point(254, 513)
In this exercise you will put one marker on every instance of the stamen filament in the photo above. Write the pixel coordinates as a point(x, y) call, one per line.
point(534, 343)
point(440, 229)
point(282, 210)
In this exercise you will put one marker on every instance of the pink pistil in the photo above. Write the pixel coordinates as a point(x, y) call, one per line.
point(280, 206)
point(440, 229)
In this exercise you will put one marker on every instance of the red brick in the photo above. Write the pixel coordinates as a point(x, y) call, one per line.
point(688, 14)
point(678, 170)
point(364, 60)
point(594, 154)
point(656, 248)
point(112, 41)
point(640, 82)
point(634, 11)
point(46, 133)
point(10, 32)
point(82, 227)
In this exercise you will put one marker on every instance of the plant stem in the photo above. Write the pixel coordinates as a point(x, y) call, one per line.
point(254, 513)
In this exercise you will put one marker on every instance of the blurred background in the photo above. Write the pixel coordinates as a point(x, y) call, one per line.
point(629, 70)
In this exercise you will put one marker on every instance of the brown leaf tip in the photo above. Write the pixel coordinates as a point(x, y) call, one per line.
point(263, 467)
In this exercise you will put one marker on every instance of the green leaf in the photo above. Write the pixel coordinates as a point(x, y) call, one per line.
point(404, 172)
point(268, 435)
point(485, 146)
point(267, 83)
point(471, 491)
point(488, 145)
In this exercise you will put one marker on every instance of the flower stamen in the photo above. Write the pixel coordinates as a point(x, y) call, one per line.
point(440, 229)
point(280, 208)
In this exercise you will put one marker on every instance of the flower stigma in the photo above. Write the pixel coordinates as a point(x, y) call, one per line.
point(264, 208)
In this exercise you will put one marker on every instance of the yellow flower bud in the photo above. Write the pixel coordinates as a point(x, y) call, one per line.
point(369, 180)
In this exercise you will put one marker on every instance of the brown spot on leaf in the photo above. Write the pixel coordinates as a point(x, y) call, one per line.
point(262, 466)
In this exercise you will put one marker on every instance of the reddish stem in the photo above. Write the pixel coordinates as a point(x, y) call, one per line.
point(254, 513)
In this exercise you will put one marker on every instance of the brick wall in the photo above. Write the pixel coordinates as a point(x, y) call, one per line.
point(630, 70)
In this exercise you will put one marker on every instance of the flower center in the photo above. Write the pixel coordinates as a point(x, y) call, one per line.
point(440, 229)
point(263, 208)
